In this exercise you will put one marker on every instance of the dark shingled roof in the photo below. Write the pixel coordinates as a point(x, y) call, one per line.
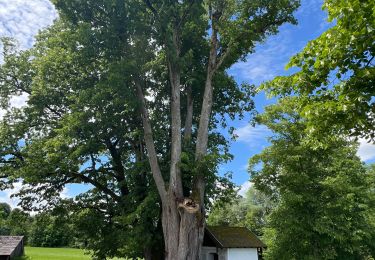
point(9, 245)
point(234, 237)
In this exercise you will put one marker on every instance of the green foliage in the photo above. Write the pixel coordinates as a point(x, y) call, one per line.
point(14, 222)
point(322, 194)
point(19, 223)
point(250, 211)
point(335, 81)
point(48, 230)
point(5, 211)
point(82, 122)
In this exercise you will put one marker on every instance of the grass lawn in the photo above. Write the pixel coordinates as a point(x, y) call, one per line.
point(43, 253)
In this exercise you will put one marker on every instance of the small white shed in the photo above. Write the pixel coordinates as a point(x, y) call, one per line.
point(231, 243)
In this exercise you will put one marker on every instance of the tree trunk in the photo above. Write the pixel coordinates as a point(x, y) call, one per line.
point(189, 115)
point(183, 219)
point(182, 229)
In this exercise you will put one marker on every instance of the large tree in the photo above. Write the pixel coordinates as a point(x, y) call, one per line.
point(324, 195)
point(123, 68)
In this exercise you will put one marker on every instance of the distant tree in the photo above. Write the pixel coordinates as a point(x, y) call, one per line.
point(335, 79)
point(48, 230)
point(322, 194)
point(250, 211)
point(5, 211)
point(371, 185)
point(19, 223)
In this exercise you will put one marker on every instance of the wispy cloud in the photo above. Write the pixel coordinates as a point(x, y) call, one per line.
point(22, 19)
point(270, 57)
point(268, 60)
point(6, 195)
point(366, 150)
point(244, 188)
point(16, 102)
point(253, 136)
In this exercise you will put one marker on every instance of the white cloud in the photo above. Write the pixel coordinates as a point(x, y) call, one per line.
point(268, 60)
point(65, 193)
point(22, 19)
point(6, 195)
point(366, 150)
point(270, 57)
point(244, 188)
point(254, 136)
point(16, 102)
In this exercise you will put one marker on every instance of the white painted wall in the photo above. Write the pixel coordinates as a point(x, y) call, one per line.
point(242, 254)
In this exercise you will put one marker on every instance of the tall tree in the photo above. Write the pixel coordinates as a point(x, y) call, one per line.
point(146, 56)
point(322, 194)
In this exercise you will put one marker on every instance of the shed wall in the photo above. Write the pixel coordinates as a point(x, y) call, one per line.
point(242, 253)
point(207, 253)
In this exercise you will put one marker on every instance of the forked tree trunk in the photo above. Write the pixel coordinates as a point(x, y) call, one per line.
point(183, 219)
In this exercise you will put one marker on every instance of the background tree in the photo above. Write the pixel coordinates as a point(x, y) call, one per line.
point(19, 223)
point(322, 194)
point(49, 229)
point(251, 211)
point(335, 78)
point(5, 211)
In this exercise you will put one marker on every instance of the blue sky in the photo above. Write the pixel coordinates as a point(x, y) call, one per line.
point(22, 19)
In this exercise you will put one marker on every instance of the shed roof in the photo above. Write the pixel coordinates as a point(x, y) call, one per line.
point(8, 244)
point(234, 237)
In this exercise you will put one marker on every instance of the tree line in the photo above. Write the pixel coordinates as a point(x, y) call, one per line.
point(44, 229)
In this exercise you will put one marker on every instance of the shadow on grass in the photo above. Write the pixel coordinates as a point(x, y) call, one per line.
point(22, 258)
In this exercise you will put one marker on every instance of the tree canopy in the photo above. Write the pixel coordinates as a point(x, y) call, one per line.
point(323, 195)
point(105, 85)
point(335, 74)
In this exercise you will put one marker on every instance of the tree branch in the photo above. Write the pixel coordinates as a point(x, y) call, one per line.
point(149, 140)
point(153, 10)
point(189, 115)
point(97, 185)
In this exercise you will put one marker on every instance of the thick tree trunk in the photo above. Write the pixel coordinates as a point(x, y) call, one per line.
point(182, 230)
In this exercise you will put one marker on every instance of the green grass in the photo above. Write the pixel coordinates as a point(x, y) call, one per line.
point(43, 253)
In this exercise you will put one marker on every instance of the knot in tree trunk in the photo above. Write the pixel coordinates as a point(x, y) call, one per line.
point(188, 205)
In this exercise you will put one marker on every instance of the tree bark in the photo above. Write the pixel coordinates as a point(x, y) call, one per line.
point(149, 140)
point(183, 219)
point(189, 115)
point(199, 183)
